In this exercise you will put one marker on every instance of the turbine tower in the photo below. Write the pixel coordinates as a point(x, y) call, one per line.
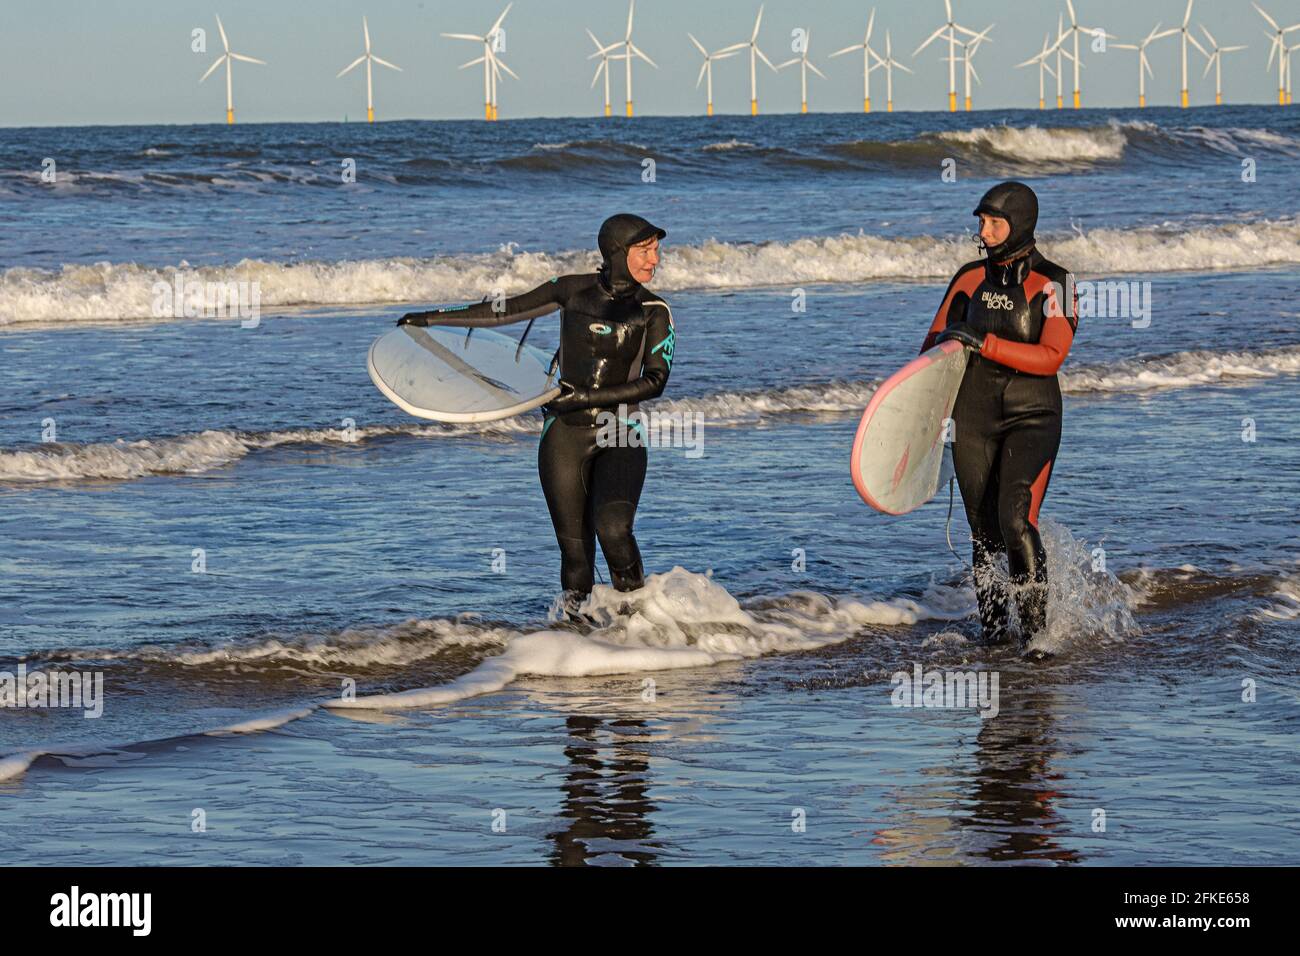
point(1043, 69)
point(1216, 60)
point(949, 30)
point(755, 54)
point(492, 65)
point(867, 67)
point(1144, 65)
point(706, 69)
point(368, 58)
point(228, 58)
point(805, 66)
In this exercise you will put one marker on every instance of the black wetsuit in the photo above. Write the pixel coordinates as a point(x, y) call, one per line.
point(616, 350)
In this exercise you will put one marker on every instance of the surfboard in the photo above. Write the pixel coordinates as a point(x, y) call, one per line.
point(460, 375)
point(898, 453)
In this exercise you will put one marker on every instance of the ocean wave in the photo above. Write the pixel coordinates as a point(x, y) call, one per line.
point(205, 451)
point(126, 292)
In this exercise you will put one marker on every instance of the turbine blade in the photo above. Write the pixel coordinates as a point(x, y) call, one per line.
point(817, 71)
point(1208, 64)
point(698, 45)
point(497, 61)
point(464, 66)
point(247, 59)
point(643, 56)
point(782, 66)
point(631, 8)
point(933, 36)
point(1070, 5)
point(848, 49)
point(391, 66)
point(1188, 15)
point(757, 24)
point(700, 79)
point(1209, 36)
point(353, 65)
point(763, 56)
point(732, 49)
point(224, 42)
point(212, 69)
point(1271, 21)
point(365, 28)
point(501, 19)
point(463, 36)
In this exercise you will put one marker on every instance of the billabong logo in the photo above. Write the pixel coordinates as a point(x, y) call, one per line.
point(997, 300)
point(599, 328)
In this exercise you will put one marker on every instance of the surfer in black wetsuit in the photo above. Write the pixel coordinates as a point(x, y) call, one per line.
point(1007, 308)
point(616, 350)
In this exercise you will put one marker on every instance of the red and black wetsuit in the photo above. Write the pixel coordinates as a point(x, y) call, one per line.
point(1007, 420)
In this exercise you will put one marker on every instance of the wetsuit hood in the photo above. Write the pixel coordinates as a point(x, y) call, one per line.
point(618, 234)
point(1017, 204)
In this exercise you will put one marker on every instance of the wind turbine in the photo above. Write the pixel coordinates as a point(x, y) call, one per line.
point(369, 58)
point(1144, 66)
point(1278, 48)
point(605, 54)
point(228, 58)
point(706, 68)
point(755, 54)
point(1216, 61)
point(1043, 69)
point(1188, 37)
point(1075, 29)
point(948, 29)
point(969, 49)
point(805, 66)
point(867, 54)
point(492, 66)
point(629, 51)
point(889, 63)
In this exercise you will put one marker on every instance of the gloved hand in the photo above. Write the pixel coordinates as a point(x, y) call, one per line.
point(415, 318)
point(570, 399)
point(963, 333)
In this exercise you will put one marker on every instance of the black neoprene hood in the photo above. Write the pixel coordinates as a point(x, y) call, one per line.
point(1017, 204)
point(618, 234)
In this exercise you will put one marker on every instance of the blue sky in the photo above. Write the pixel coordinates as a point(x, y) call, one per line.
point(129, 61)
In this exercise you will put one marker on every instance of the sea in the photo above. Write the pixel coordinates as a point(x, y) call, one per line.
point(310, 629)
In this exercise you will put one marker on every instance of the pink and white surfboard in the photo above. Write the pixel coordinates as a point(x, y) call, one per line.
point(898, 451)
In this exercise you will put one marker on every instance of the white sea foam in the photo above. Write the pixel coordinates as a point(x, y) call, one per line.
point(118, 292)
point(1035, 145)
point(678, 620)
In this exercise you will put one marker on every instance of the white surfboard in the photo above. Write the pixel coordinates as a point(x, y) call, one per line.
point(460, 375)
point(898, 453)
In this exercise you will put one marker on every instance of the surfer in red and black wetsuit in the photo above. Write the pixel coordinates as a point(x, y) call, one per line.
point(616, 350)
point(1007, 308)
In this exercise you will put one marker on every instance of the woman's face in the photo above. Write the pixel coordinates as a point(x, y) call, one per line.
point(993, 229)
point(643, 260)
